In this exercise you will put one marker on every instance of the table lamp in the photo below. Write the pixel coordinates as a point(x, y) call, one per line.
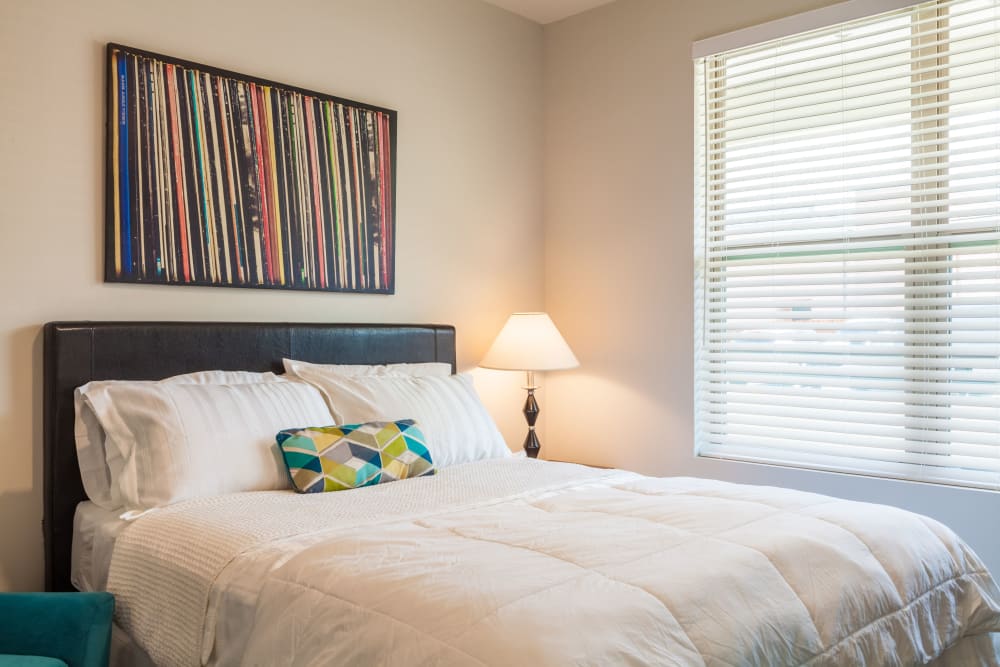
point(530, 342)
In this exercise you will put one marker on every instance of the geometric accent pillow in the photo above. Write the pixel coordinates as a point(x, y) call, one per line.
point(335, 458)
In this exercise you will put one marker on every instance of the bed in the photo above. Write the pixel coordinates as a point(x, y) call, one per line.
point(498, 561)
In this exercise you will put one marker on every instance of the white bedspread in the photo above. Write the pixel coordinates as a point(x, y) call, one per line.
point(522, 562)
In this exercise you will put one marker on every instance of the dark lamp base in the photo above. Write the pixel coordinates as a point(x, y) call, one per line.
point(531, 444)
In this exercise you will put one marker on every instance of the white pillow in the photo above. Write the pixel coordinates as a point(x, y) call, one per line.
point(423, 369)
point(90, 447)
point(168, 442)
point(456, 424)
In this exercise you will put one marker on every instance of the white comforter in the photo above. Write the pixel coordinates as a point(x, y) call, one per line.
point(525, 563)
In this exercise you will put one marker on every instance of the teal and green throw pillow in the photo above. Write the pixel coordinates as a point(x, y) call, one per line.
point(334, 458)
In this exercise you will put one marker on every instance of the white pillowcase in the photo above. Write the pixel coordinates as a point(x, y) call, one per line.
point(90, 436)
point(448, 409)
point(168, 442)
point(422, 369)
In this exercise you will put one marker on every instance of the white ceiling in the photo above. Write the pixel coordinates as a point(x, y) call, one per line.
point(547, 11)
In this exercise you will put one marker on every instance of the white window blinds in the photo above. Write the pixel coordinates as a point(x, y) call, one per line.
point(848, 247)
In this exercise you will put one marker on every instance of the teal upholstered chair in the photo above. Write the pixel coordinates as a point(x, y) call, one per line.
point(55, 629)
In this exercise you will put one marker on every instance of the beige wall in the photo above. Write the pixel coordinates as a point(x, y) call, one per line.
point(619, 253)
point(466, 80)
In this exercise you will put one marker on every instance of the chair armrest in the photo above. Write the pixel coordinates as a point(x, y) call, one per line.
point(74, 627)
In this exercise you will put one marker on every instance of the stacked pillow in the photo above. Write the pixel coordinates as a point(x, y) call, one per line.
point(148, 444)
point(446, 407)
point(424, 369)
point(187, 436)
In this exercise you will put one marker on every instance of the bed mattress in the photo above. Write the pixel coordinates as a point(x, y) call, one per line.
point(95, 530)
point(527, 562)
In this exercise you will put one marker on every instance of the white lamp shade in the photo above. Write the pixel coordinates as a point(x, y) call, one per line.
point(529, 342)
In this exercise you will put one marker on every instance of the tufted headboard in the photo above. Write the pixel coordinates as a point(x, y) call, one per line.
point(78, 352)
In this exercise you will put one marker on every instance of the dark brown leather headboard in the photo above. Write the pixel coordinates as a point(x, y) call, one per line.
point(77, 352)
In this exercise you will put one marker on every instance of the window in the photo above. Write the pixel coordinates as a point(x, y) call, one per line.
point(848, 247)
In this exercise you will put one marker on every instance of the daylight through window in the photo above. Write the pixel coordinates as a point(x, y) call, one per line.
point(848, 247)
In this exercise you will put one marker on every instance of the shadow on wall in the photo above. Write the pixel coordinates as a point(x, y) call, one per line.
point(21, 461)
point(21, 561)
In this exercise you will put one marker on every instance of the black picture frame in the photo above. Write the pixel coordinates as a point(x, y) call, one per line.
point(217, 178)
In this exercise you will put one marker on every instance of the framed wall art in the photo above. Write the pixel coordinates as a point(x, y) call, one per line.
point(221, 179)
